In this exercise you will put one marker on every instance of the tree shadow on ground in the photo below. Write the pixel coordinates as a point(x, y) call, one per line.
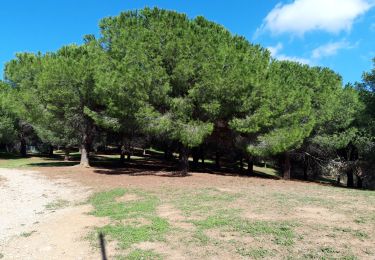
point(52, 164)
point(156, 166)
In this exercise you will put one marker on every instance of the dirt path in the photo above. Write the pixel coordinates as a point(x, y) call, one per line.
point(40, 218)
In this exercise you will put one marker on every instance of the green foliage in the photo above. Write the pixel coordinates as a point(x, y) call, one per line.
point(283, 118)
point(8, 120)
point(157, 73)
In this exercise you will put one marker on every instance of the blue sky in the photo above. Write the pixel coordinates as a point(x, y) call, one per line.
point(339, 34)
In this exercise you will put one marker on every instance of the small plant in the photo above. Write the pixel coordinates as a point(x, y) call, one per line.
point(58, 204)
point(139, 254)
point(27, 234)
point(255, 253)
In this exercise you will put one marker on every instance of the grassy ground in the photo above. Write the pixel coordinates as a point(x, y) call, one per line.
point(213, 216)
point(319, 223)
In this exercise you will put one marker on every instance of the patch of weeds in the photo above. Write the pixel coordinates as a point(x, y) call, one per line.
point(138, 254)
point(292, 199)
point(344, 230)
point(255, 253)
point(201, 237)
point(360, 220)
point(328, 250)
point(356, 233)
point(130, 231)
point(282, 232)
point(127, 235)
point(1, 255)
point(349, 257)
point(204, 201)
point(58, 204)
point(360, 234)
point(322, 253)
point(27, 234)
point(105, 205)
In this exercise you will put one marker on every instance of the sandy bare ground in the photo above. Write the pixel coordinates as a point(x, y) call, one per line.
point(42, 219)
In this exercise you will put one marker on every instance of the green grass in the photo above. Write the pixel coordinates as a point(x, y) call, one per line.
point(27, 234)
point(58, 204)
point(139, 254)
point(254, 253)
point(127, 235)
point(220, 223)
point(14, 161)
point(281, 232)
point(105, 205)
point(131, 232)
point(203, 201)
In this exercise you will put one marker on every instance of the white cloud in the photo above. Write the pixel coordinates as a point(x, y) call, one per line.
point(275, 52)
point(275, 49)
point(302, 16)
point(331, 49)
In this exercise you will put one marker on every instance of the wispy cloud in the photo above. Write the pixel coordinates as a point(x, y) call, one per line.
point(275, 52)
point(301, 16)
point(331, 49)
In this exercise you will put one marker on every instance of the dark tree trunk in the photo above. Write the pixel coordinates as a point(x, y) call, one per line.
point(305, 168)
point(286, 166)
point(350, 178)
point(7, 148)
point(128, 156)
point(195, 155)
point(184, 161)
point(23, 148)
point(241, 164)
point(168, 155)
point(202, 155)
point(122, 154)
point(250, 166)
point(50, 151)
point(66, 154)
point(217, 160)
point(359, 182)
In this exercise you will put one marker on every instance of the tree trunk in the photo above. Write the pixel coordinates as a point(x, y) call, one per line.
point(195, 155)
point(168, 155)
point(128, 156)
point(241, 164)
point(250, 166)
point(201, 151)
point(217, 160)
point(350, 179)
point(359, 182)
point(122, 154)
point(7, 148)
point(23, 148)
point(286, 167)
point(305, 168)
point(184, 161)
point(85, 155)
point(50, 151)
point(66, 155)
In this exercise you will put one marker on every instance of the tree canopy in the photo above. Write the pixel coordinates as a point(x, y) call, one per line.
point(187, 82)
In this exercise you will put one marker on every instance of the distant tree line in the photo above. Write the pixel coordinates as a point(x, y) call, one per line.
point(156, 77)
